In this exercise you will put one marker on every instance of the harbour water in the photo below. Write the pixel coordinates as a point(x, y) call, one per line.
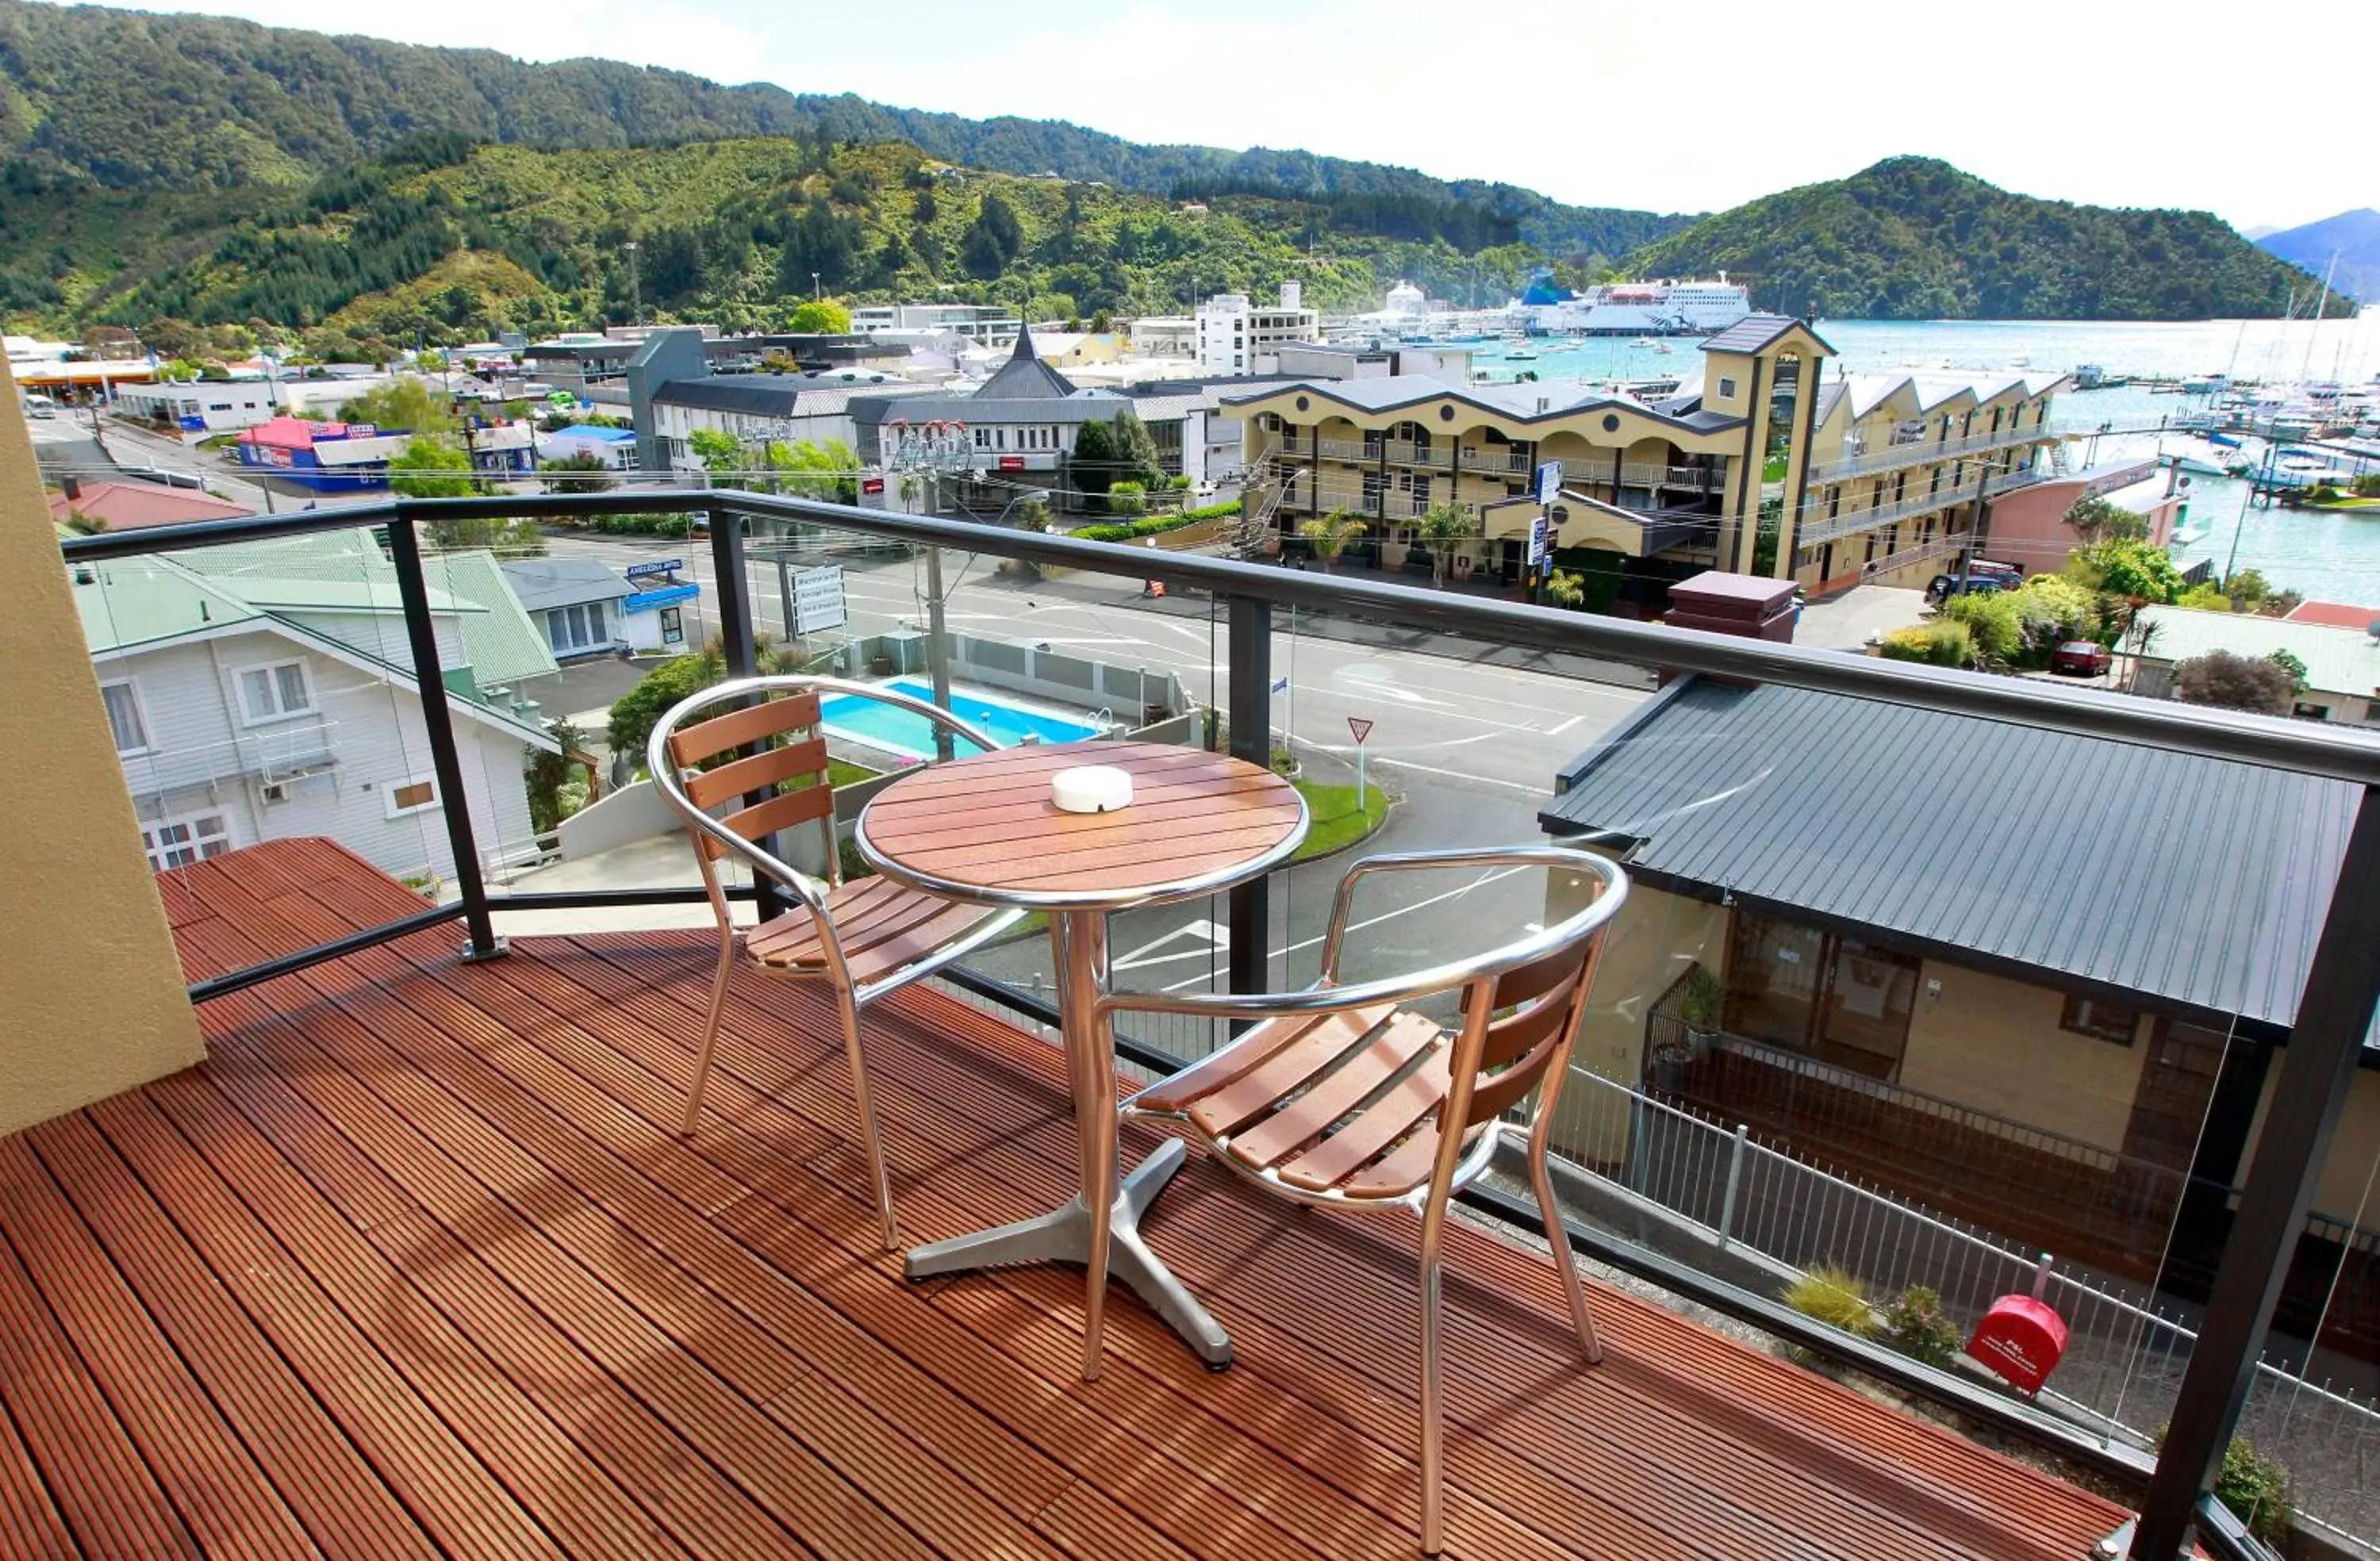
point(2333, 557)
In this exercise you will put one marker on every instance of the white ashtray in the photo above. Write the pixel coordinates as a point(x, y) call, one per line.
point(1091, 788)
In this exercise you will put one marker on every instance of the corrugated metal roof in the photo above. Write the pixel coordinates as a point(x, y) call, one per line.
point(2194, 880)
point(2337, 660)
point(543, 583)
point(1754, 331)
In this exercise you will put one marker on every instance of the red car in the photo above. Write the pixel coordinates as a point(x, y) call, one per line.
point(2078, 658)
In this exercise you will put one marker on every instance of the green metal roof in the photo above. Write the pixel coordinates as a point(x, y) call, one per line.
point(504, 642)
point(2337, 660)
point(141, 602)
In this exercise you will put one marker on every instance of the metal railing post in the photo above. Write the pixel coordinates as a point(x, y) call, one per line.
point(1735, 1179)
point(2041, 1276)
point(438, 724)
point(1250, 717)
point(736, 632)
point(2325, 1047)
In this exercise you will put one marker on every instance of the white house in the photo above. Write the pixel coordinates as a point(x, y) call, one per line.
point(587, 609)
point(201, 406)
point(251, 706)
point(1236, 336)
point(761, 409)
point(616, 448)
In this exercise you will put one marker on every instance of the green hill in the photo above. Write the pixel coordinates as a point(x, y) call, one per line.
point(1913, 238)
point(444, 240)
point(130, 101)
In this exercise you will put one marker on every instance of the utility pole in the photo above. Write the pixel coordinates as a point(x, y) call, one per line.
point(938, 650)
point(635, 286)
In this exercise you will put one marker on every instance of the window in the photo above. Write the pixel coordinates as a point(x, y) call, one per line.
point(177, 842)
point(276, 691)
point(584, 625)
point(2103, 1020)
point(1727, 387)
point(672, 627)
point(124, 717)
point(412, 796)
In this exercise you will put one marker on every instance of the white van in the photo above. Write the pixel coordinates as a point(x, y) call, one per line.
point(38, 407)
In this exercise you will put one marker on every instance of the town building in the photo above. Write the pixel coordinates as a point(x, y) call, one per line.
point(266, 691)
point(1236, 336)
point(583, 363)
point(2024, 509)
point(199, 407)
point(616, 448)
point(1946, 975)
point(331, 457)
point(134, 506)
point(2342, 665)
point(587, 609)
point(1165, 335)
point(1446, 362)
point(1903, 470)
point(1017, 429)
point(674, 393)
point(986, 324)
point(1650, 490)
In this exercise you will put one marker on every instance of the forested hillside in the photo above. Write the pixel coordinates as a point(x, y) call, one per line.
point(133, 101)
point(441, 240)
point(1913, 238)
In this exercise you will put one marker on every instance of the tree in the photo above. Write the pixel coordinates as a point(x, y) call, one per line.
point(719, 453)
point(584, 473)
point(1136, 449)
point(823, 317)
point(1329, 536)
point(1444, 524)
point(992, 240)
point(1093, 467)
point(2289, 662)
point(826, 470)
point(2100, 521)
point(403, 404)
point(432, 467)
point(2247, 586)
point(2127, 567)
point(2236, 683)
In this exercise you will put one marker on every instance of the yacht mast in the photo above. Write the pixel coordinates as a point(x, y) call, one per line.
point(2305, 372)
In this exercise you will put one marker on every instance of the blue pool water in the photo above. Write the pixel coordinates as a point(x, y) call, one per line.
point(906, 732)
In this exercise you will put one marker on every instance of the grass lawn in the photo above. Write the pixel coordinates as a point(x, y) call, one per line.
point(1337, 821)
point(843, 772)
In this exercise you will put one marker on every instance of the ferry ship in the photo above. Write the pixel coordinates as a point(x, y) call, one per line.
point(1646, 308)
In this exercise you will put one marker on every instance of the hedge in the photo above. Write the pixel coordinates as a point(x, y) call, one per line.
point(1151, 526)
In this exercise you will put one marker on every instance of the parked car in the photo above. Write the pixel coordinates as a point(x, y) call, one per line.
point(39, 408)
point(2080, 659)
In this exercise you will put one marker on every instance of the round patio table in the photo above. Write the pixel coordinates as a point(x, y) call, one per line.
point(984, 830)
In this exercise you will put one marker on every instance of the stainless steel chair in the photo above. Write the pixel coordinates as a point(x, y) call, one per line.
point(863, 939)
point(1345, 1097)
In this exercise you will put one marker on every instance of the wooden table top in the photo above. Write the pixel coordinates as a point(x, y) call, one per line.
point(985, 829)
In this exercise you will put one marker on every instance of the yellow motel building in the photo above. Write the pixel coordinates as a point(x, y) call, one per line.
point(1758, 463)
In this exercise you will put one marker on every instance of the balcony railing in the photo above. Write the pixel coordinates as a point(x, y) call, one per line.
point(1496, 463)
point(1940, 547)
point(1818, 526)
point(1402, 453)
point(1348, 450)
point(1249, 604)
point(1924, 452)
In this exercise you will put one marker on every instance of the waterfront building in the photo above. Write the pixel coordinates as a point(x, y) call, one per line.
point(1905, 469)
point(986, 324)
point(1651, 489)
point(1236, 336)
point(2024, 513)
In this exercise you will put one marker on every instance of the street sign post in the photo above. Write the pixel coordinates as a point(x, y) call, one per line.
point(1362, 726)
point(1550, 474)
point(817, 600)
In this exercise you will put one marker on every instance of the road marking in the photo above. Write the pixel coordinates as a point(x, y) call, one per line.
point(1463, 775)
point(1216, 935)
point(1558, 731)
point(1480, 882)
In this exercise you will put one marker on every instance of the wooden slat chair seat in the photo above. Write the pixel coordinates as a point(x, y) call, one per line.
point(1350, 1097)
point(743, 761)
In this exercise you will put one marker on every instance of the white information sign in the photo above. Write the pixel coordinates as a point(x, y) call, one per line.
point(817, 600)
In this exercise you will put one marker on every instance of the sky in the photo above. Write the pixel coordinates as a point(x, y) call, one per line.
point(2109, 101)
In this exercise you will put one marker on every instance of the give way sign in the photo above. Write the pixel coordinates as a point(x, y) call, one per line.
point(1361, 726)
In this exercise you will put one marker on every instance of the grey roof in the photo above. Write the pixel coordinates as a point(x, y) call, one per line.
point(2079, 860)
point(543, 583)
point(1025, 377)
point(1562, 398)
point(1754, 331)
point(1082, 406)
point(774, 395)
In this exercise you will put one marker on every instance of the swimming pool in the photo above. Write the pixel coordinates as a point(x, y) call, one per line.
point(905, 731)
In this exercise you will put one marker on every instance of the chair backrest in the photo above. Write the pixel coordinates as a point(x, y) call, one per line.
point(788, 772)
point(1532, 1016)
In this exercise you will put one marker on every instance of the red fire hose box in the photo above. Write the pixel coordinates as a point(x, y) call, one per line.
point(2021, 1339)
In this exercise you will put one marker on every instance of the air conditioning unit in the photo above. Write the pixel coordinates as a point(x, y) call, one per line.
point(272, 792)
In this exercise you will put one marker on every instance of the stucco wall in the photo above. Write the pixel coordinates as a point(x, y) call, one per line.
point(94, 985)
point(1995, 1045)
point(2354, 1146)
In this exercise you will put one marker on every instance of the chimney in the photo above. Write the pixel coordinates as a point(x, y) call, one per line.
point(71, 487)
point(1748, 606)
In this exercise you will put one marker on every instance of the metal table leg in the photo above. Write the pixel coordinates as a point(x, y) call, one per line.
point(1068, 1233)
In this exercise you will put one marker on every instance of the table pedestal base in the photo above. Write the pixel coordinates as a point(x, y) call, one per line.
point(1063, 1236)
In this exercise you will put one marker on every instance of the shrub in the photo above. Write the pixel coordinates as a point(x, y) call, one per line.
point(2207, 598)
point(2247, 586)
point(1126, 499)
point(2367, 486)
point(1151, 525)
point(1834, 1297)
point(1916, 1325)
point(1942, 643)
point(2055, 610)
point(1994, 622)
point(2236, 683)
point(1177, 484)
point(2255, 1486)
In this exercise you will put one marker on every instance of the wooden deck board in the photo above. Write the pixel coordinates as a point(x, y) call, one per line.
point(414, 1264)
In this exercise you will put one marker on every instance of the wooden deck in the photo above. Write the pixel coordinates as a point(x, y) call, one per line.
point(413, 1267)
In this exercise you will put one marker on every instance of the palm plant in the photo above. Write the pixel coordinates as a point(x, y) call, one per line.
point(1329, 536)
point(1565, 588)
point(1444, 524)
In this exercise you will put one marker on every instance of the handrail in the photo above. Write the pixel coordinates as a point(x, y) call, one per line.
point(2310, 747)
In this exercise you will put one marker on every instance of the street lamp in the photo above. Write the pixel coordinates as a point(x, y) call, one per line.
point(636, 291)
